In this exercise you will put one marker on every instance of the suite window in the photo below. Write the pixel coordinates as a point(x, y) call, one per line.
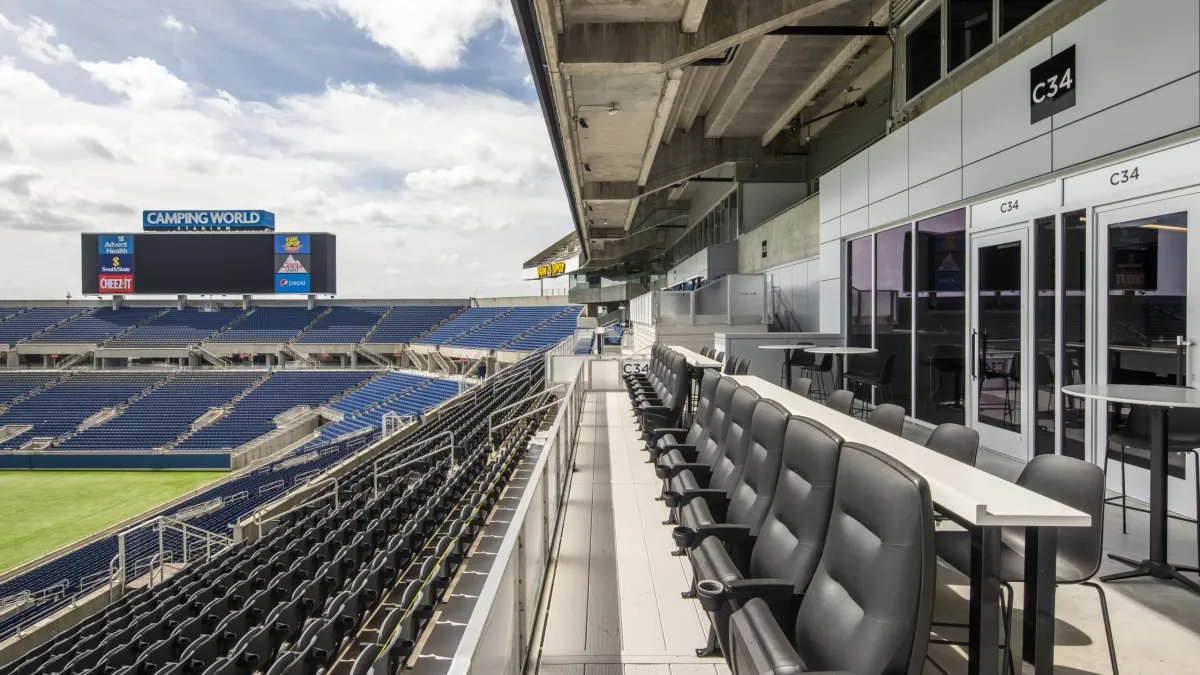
point(923, 54)
point(860, 305)
point(969, 27)
point(1015, 12)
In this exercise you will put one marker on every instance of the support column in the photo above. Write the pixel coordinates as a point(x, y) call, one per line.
point(180, 301)
point(14, 360)
point(342, 360)
point(47, 361)
point(245, 302)
point(193, 360)
point(312, 301)
point(353, 359)
point(98, 362)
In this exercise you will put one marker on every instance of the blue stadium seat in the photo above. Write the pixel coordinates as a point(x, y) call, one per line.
point(407, 323)
point(59, 409)
point(179, 328)
point(343, 325)
point(270, 324)
point(99, 326)
point(23, 325)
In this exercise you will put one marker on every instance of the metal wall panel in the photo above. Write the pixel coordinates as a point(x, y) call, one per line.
point(831, 260)
point(855, 181)
point(888, 210)
point(855, 222)
point(995, 110)
point(1127, 47)
point(1159, 113)
point(831, 229)
point(935, 141)
point(887, 165)
point(831, 306)
point(831, 195)
point(940, 191)
point(1010, 166)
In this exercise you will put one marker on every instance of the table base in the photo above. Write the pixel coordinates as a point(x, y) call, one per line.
point(1151, 568)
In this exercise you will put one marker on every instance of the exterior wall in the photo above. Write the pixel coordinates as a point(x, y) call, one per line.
point(791, 235)
point(980, 140)
point(760, 201)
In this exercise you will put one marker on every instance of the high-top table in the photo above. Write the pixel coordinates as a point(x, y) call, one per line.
point(841, 353)
point(1158, 400)
point(983, 504)
point(787, 360)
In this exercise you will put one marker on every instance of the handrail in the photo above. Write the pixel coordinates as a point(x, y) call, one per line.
point(418, 444)
point(422, 458)
point(534, 395)
point(258, 519)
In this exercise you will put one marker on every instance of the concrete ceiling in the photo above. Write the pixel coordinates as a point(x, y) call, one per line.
point(651, 93)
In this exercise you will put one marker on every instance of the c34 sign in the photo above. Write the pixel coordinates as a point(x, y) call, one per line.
point(1052, 85)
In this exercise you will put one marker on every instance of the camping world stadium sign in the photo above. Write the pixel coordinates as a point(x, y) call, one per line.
point(207, 221)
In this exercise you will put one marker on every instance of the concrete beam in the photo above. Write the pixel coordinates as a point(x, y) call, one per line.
point(835, 65)
point(685, 87)
point(665, 103)
point(689, 106)
point(752, 61)
point(693, 12)
point(872, 74)
point(639, 48)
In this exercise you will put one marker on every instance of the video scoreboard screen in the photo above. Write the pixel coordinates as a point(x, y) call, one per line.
point(208, 263)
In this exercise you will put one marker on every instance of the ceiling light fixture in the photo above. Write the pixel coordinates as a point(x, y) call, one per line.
point(583, 123)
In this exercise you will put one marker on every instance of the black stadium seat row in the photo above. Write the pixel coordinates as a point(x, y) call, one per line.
point(809, 554)
point(291, 600)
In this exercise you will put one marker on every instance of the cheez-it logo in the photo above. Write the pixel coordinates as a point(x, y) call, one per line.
point(291, 244)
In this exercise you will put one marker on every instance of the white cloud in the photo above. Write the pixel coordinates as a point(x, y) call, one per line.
point(36, 41)
point(408, 179)
point(173, 24)
point(432, 34)
point(143, 81)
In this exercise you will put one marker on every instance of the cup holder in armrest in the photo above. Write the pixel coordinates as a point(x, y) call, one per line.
point(683, 536)
point(711, 594)
point(672, 499)
point(662, 471)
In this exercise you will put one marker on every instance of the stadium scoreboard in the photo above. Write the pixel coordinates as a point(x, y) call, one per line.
point(209, 263)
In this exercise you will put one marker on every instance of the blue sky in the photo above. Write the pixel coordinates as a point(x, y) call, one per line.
point(409, 128)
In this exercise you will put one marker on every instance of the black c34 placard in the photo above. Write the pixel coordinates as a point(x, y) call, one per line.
point(1052, 85)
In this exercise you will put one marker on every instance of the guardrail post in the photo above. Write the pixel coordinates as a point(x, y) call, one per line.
point(121, 564)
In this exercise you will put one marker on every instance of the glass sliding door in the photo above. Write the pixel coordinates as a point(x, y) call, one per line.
point(893, 315)
point(1142, 318)
point(1045, 335)
point(1072, 423)
point(940, 344)
point(1000, 355)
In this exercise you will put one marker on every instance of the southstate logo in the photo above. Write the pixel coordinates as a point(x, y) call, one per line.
point(291, 244)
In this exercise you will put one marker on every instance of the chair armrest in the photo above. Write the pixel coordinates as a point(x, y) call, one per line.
point(668, 472)
point(659, 433)
point(689, 452)
point(728, 533)
point(715, 499)
point(771, 591)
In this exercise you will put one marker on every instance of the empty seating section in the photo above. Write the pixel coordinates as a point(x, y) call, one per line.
point(507, 327)
point(270, 324)
point(252, 416)
point(16, 385)
point(407, 323)
point(402, 392)
point(59, 409)
point(554, 332)
point(99, 326)
point(178, 328)
point(467, 321)
point(292, 599)
point(24, 325)
point(165, 413)
point(343, 325)
point(7, 313)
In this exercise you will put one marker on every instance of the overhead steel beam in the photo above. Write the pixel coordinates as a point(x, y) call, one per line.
point(790, 31)
point(641, 48)
point(835, 65)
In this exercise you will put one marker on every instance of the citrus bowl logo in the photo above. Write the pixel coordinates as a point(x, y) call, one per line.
point(291, 244)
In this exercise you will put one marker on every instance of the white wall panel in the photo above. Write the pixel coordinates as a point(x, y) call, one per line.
point(888, 210)
point(814, 294)
point(995, 110)
point(831, 260)
point(1126, 47)
point(1011, 166)
point(940, 191)
point(855, 222)
point(831, 195)
point(935, 141)
point(1159, 113)
point(887, 165)
point(855, 180)
point(831, 229)
point(831, 306)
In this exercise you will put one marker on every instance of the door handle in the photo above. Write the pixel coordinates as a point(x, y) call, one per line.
point(974, 354)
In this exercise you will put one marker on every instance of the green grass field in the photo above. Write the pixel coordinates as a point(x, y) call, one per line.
point(43, 510)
